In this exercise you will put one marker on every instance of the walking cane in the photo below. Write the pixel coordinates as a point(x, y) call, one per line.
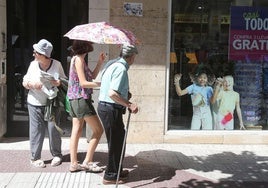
point(123, 148)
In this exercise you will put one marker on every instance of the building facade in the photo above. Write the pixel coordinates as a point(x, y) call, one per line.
point(3, 86)
point(164, 30)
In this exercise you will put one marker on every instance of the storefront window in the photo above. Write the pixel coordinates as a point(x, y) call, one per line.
point(200, 38)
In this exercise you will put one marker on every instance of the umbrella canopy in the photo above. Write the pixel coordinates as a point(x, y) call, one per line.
point(101, 33)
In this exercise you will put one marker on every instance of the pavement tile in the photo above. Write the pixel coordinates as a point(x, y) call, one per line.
point(150, 165)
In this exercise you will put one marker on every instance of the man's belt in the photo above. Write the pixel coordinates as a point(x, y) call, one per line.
point(118, 106)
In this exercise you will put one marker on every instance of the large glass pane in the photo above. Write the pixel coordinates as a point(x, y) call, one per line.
point(200, 30)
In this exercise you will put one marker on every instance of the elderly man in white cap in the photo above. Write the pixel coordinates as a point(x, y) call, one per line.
point(37, 99)
point(113, 100)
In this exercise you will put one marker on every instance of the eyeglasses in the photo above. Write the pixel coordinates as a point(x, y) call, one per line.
point(36, 53)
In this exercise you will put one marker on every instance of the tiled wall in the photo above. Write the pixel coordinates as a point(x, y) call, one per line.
point(3, 97)
point(147, 74)
point(2, 27)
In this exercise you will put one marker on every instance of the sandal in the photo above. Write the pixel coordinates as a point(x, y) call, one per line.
point(38, 163)
point(76, 168)
point(92, 167)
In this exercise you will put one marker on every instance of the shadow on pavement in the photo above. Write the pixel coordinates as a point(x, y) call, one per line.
point(161, 168)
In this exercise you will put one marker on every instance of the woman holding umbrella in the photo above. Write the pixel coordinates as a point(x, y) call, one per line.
point(81, 109)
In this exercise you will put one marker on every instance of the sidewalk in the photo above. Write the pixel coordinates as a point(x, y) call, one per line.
point(150, 165)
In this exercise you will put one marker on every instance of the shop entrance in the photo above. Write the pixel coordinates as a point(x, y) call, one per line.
point(28, 21)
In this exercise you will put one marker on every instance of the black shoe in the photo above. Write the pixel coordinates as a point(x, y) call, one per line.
point(107, 182)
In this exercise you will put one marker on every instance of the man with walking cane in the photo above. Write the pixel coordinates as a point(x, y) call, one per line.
point(113, 100)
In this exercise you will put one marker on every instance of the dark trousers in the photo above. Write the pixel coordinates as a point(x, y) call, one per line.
point(112, 120)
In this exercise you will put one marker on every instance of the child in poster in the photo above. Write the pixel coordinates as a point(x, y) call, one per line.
point(227, 100)
point(201, 93)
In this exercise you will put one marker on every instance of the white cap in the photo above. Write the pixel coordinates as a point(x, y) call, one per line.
point(43, 47)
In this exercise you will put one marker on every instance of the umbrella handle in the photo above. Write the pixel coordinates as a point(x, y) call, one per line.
point(123, 148)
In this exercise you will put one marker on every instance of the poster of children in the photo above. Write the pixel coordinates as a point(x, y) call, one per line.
point(133, 9)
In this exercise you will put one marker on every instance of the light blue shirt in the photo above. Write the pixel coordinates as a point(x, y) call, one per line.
point(206, 91)
point(114, 77)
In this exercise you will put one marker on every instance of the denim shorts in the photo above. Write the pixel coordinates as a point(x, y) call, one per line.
point(79, 108)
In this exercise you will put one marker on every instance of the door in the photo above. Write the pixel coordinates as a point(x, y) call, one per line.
point(28, 21)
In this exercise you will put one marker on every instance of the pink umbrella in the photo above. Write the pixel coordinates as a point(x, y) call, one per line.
point(101, 33)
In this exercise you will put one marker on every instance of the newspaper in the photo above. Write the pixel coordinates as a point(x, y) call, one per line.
point(49, 77)
point(48, 89)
